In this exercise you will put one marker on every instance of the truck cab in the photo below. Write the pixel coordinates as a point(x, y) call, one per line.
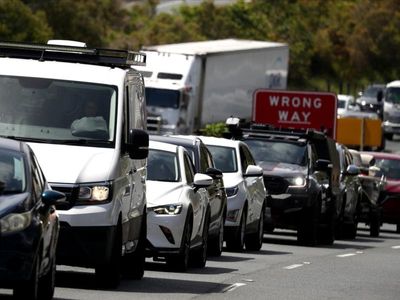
point(82, 111)
point(391, 109)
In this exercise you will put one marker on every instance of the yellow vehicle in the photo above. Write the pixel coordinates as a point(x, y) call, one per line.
point(360, 130)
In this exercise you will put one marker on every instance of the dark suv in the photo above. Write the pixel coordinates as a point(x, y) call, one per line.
point(204, 163)
point(301, 173)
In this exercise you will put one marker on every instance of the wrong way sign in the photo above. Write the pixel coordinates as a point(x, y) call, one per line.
point(296, 109)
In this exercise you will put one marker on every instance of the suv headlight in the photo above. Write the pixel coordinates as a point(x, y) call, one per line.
point(15, 222)
point(171, 209)
point(298, 181)
point(94, 194)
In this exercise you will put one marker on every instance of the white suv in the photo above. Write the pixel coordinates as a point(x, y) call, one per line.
point(246, 192)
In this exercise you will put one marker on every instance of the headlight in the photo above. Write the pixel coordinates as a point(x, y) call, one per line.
point(15, 222)
point(232, 191)
point(298, 181)
point(93, 194)
point(172, 209)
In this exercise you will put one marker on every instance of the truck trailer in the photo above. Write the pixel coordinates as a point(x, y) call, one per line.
point(189, 85)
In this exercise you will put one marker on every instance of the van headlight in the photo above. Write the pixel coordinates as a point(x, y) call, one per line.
point(171, 209)
point(15, 222)
point(94, 194)
point(298, 181)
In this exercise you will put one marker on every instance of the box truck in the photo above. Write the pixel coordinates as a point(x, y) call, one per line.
point(189, 85)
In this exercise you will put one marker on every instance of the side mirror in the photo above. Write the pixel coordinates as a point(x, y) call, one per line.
point(323, 165)
point(138, 144)
point(379, 96)
point(201, 180)
point(52, 197)
point(214, 173)
point(352, 170)
point(253, 171)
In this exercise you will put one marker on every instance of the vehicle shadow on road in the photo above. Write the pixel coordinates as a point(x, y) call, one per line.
point(207, 270)
point(227, 257)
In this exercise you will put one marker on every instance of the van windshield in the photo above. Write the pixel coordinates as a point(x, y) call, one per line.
point(162, 98)
point(57, 111)
point(393, 95)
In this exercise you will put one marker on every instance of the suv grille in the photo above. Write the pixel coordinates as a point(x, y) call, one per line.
point(71, 192)
point(275, 184)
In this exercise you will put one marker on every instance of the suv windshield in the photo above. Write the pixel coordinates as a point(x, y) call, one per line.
point(162, 98)
point(277, 151)
point(57, 110)
point(12, 173)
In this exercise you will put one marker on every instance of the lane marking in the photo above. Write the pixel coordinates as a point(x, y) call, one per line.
point(291, 267)
point(346, 255)
point(395, 247)
point(233, 287)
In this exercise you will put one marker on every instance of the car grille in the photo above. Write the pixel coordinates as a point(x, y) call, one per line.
point(71, 192)
point(275, 184)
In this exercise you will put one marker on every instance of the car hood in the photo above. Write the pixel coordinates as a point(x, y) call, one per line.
point(277, 168)
point(162, 193)
point(75, 164)
point(392, 186)
point(9, 203)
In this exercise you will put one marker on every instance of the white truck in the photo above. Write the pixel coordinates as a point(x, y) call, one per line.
point(189, 85)
point(97, 157)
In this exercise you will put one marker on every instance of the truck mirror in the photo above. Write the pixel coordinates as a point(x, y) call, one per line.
point(138, 144)
point(379, 96)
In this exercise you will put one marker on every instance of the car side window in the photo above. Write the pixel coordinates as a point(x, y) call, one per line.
point(209, 158)
point(37, 177)
point(189, 169)
point(243, 160)
point(249, 157)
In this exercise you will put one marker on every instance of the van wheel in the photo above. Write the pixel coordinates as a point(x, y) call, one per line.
point(254, 240)
point(235, 242)
point(217, 243)
point(108, 274)
point(199, 256)
point(180, 262)
point(134, 263)
point(29, 289)
point(47, 282)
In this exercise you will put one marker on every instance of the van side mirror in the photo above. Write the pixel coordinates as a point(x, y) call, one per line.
point(379, 96)
point(138, 144)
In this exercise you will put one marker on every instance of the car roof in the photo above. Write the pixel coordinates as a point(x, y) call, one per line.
point(383, 155)
point(168, 147)
point(11, 145)
point(176, 140)
point(218, 141)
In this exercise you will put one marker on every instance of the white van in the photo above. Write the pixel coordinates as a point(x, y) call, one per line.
point(83, 113)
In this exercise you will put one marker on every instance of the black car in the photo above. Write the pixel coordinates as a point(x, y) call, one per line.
point(204, 163)
point(29, 224)
point(301, 172)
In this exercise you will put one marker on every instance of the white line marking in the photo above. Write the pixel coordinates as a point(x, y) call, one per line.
point(233, 287)
point(293, 266)
point(396, 247)
point(359, 252)
point(346, 255)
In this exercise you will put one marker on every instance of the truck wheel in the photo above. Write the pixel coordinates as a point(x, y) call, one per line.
point(308, 229)
point(199, 256)
point(108, 274)
point(235, 242)
point(133, 263)
point(29, 289)
point(180, 262)
point(217, 243)
point(47, 282)
point(254, 240)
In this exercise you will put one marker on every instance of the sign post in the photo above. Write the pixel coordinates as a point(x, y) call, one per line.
point(296, 110)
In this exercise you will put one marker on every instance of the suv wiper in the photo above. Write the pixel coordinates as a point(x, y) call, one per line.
point(26, 139)
point(84, 142)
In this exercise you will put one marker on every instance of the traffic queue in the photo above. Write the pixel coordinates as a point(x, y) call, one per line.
point(91, 188)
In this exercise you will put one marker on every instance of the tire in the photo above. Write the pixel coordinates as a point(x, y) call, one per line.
point(29, 290)
point(389, 136)
point(375, 224)
point(254, 241)
point(269, 228)
point(180, 262)
point(397, 228)
point(350, 230)
point(47, 282)
point(235, 242)
point(216, 244)
point(199, 256)
point(307, 232)
point(108, 275)
point(134, 263)
point(326, 234)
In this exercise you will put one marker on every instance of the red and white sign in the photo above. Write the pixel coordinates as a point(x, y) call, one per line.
point(296, 109)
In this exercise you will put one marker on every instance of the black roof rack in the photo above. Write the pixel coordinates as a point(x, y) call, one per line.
point(45, 52)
